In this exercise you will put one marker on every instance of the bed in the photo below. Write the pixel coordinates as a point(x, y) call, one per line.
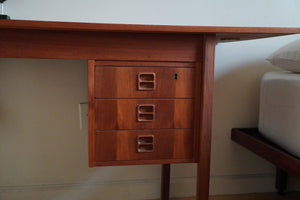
point(277, 138)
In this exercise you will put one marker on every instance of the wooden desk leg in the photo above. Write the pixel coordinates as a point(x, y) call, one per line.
point(165, 182)
point(204, 143)
point(281, 179)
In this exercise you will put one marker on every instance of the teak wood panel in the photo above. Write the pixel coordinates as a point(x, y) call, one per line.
point(223, 33)
point(99, 45)
point(91, 108)
point(122, 82)
point(207, 90)
point(122, 145)
point(114, 114)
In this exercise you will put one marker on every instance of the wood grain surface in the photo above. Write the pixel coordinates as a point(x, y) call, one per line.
point(222, 32)
point(117, 114)
point(122, 145)
point(97, 45)
point(206, 117)
point(91, 110)
point(122, 82)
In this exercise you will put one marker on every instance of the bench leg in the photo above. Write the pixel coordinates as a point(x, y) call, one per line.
point(281, 180)
point(165, 182)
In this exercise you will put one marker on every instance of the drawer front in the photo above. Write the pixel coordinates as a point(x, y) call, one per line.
point(136, 82)
point(143, 145)
point(114, 114)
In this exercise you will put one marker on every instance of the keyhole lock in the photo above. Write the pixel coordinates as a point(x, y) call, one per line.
point(176, 76)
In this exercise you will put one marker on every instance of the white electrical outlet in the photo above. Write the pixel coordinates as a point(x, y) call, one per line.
point(83, 115)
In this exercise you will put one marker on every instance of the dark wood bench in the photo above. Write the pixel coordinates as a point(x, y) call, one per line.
point(285, 162)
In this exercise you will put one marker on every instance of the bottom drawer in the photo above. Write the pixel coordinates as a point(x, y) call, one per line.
point(141, 146)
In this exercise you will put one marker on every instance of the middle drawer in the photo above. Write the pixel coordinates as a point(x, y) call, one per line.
point(113, 114)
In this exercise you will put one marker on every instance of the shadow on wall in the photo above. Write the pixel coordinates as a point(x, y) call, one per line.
point(236, 99)
point(43, 152)
point(239, 69)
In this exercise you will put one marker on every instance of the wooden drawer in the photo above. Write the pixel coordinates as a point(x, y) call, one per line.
point(143, 145)
point(136, 82)
point(114, 114)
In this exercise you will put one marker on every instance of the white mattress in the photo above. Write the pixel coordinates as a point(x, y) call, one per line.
point(279, 115)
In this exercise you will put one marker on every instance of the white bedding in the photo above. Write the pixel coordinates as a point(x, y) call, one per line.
point(279, 115)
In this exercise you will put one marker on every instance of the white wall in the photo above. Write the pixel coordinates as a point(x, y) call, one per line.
point(43, 152)
point(187, 12)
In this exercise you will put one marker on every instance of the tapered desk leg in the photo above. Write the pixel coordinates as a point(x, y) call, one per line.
point(165, 182)
point(281, 179)
point(204, 142)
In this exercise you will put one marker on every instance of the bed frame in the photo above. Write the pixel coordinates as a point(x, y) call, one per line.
point(285, 162)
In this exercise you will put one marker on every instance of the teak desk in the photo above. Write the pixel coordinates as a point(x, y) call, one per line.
point(150, 87)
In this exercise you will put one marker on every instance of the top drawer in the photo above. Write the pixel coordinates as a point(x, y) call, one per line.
point(138, 82)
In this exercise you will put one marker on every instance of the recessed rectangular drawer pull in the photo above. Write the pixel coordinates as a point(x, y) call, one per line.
point(146, 108)
point(145, 143)
point(146, 81)
point(145, 117)
point(145, 139)
point(145, 112)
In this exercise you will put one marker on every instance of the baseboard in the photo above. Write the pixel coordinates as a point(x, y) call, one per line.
point(91, 190)
point(138, 189)
point(226, 184)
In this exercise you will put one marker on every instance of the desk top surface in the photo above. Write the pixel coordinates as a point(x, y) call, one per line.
point(223, 33)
